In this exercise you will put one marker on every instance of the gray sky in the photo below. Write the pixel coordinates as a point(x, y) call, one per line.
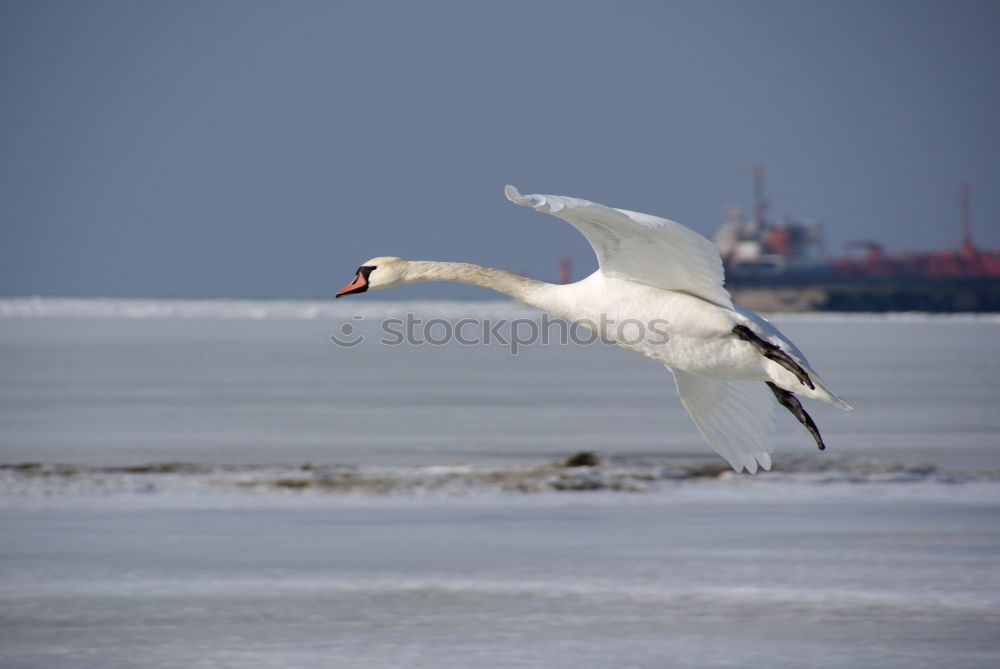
point(265, 149)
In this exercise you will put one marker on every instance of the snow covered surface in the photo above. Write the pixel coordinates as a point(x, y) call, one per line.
point(217, 484)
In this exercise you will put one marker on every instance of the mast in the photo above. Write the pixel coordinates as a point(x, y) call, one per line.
point(964, 196)
point(760, 203)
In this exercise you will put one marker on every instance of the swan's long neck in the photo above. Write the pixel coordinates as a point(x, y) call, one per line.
point(520, 288)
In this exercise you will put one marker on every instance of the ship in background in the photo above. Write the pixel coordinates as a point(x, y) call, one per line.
point(782, 265)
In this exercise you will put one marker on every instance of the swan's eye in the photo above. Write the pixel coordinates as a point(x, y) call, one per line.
point(365, 270)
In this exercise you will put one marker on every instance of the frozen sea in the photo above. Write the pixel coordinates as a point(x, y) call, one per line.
point(219, 484)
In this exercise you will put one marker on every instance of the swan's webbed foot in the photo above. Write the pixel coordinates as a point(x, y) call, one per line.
point(790, 402)
point(772, 352)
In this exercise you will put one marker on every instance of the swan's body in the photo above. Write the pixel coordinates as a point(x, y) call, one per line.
point(659, 293)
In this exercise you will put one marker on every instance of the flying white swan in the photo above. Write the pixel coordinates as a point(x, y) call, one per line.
point(658, 292)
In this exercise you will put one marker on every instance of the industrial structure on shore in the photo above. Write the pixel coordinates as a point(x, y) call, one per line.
point(781, 265)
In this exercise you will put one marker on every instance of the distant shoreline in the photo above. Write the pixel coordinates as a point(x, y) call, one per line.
point(782, 304)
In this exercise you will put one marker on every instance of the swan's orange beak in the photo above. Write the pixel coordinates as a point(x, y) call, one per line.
point(359, 285)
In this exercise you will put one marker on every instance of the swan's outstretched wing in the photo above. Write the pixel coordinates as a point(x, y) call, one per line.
point(639, 247)
point(736, 417)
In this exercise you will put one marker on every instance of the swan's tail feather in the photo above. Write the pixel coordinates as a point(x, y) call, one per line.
point(820, 391)
point(735, 417)
point(829, 396)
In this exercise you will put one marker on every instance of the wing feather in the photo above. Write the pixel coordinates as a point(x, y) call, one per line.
point(640, 247)
point(735, 417)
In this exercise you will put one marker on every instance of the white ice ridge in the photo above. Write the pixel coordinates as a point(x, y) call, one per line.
point(226, 309)
point(114, 307)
